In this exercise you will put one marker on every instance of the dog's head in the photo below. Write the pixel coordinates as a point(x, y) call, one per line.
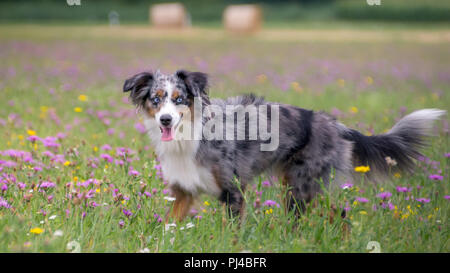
point(167, 98)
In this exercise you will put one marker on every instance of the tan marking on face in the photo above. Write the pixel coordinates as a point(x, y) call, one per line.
point(160, 93)
point(175, 94)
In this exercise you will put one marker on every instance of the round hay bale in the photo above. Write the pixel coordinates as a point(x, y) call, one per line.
point(242, 18)
point(171, 15)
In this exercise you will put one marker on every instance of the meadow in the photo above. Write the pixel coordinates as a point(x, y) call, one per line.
point(77, 172)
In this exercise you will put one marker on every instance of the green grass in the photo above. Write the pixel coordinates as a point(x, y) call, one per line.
point(42, 79)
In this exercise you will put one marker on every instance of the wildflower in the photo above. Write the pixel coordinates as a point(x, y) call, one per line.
point(423, 200)
point(436, 177)
point(270, 203)
point(47, 184)
point(206, 203)
point(4, 203)
point(31, 132)
point(447, 197)
point(36, 230)
point(363, 212)
point(296, 86)
point(106, 147)
point(127, 213)
point(403, 189)
point(133, 173)
point(265, 183)
point(269, 211)
point(346, 186)
point(341, 82)
point(384, 195)
point(362, 200)
point(82, 98)
point(121, 223)
point(353, 109)
point(362, 169)
point(67, 163)
point(261, 78)
point(390, 161)
point(169, 199)
point(369, 80)
point(58, 233)
point(78, 109)
point(388, 205)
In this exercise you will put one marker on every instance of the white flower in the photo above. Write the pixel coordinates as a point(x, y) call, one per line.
point(170, 199)
point(168, 226)
point(58, 233)
point(41, 222)
point(52, 217)
point(145, 250)
point(190, 225)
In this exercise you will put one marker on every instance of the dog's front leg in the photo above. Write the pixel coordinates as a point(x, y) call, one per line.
point(181, 206)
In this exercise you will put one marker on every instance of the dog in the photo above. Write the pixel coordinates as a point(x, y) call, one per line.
point(313, 147)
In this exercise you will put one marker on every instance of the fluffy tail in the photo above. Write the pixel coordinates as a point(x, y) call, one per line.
point(402, 143)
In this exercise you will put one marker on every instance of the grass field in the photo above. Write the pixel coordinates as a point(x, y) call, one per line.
point(76, 168)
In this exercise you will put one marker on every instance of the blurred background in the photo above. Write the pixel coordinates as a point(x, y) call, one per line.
point(209, 12)
point(353, 58)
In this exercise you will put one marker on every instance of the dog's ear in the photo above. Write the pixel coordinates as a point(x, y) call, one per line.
point(196, 82)
point(140, 86)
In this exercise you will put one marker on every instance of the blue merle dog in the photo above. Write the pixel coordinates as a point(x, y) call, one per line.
point(313, 146)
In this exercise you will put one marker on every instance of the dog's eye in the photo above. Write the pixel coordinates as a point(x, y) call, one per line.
point(155, 100)
point(179, 100)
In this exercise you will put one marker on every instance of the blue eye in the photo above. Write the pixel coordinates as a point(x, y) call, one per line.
point(155, 100)
point(179, 100)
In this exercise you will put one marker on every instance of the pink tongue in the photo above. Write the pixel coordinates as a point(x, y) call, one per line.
point(166, 134)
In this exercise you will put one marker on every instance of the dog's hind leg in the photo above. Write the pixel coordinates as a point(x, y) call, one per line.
point(232, 197)
point(302, 185)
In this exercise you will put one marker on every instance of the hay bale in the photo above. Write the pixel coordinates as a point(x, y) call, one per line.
point(171, 15)
point(242, 18)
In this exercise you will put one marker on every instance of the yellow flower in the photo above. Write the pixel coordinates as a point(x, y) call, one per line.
point(67, 163)
point(206, 203)
point(36, 230)
point(362, 169)
point(95, 148)
point(261, 78)
point(341, 82)
point(397, 175)
point(97, 190)
point(269, 211)
point(297, 88)
point(354, 109)
point(82, 98)
point(31, 132)
point(363, 212)
point(78, 109)
point(369, 80)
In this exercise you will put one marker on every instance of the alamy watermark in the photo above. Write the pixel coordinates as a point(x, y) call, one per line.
point(229, 122)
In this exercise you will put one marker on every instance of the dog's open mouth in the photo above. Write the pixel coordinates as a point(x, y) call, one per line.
point(167, 133)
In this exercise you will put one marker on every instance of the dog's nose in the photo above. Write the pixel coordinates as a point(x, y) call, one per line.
point(165, 120)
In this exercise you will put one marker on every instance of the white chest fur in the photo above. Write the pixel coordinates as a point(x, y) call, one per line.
point(179, 165)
